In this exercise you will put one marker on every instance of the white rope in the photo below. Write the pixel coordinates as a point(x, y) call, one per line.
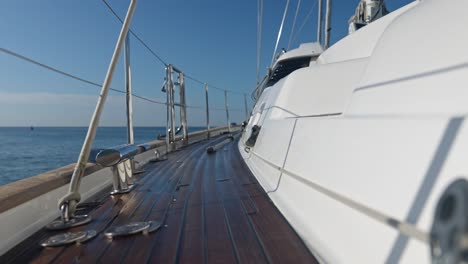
point(294, 23)
point(280, 32)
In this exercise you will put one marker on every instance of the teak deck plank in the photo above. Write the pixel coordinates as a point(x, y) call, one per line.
point(248, 247)
point(212, 210)
point(218, 239)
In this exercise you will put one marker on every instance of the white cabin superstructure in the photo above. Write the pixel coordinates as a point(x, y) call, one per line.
point(356, 149)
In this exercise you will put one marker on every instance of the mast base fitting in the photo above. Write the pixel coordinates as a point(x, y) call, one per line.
point(69, 238)
point(75, 221)
point(449, 232)
point(136, 172)
point(158, 157)
point(122, 191)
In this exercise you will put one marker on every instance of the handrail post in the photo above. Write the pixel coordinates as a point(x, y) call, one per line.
point(207, 111)
point(67, 204)
point(245, 108)
point(129, 106)
point(227, 110)
point(170, 131)
point(183, 108)
point(128, 92)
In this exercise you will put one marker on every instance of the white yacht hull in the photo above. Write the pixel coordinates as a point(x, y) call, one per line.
point(357, 149)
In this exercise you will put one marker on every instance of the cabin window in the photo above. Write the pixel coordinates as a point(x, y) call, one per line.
point(285, 67)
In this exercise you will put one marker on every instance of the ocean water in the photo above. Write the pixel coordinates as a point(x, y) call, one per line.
point(25, 152)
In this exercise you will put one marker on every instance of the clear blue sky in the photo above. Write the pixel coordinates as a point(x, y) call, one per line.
point(212, 40)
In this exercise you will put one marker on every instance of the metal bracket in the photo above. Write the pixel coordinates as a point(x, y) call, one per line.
point(69, 238)
point(72, 222)
point(133, 228)
point(158, 157)
point(122, 172)
point(66, 221)
point(253, 136)
point(449, 232)
point(134, 170)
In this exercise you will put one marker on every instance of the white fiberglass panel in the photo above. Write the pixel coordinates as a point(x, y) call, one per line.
point(367, 160)
point(397, 167)
point(420, 66)
point(334, 232)
point(415, 43)
point(319, 89)
point(361, 43)
point(270, 151)
point(441, 94)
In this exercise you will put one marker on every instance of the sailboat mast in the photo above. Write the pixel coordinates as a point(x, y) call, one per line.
point(319, 23)
point(327, 24)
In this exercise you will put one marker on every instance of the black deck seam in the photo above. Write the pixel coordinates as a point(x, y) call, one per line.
point(197, 164)
point(268, 199)
point(226, 219)
point(142, 181)
point(262, 246)
point(149, 182)
point(164, 218)
point(204, 232)
point(166, 184)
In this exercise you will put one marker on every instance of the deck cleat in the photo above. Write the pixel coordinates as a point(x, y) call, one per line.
point(133, 228)
point(68, 238)
point(122, 174)
point(154, 226)
point(90, 234)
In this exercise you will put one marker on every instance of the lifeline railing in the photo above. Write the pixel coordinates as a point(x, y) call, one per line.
point(68, 203)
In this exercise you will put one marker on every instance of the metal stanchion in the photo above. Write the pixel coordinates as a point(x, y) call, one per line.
point(207, 111)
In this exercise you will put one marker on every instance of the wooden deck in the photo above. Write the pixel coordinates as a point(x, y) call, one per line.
point(212, 209)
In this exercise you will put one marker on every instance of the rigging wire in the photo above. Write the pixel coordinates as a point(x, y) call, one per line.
point(80, 79)
point(210, 86)
point(69, 75)
point(109, 7)
point(135, 35)
point(213, 86)
point(280, 32)
point(305, 20)
point(294, 24)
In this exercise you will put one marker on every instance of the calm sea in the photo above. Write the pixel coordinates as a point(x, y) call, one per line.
point(25, 152)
